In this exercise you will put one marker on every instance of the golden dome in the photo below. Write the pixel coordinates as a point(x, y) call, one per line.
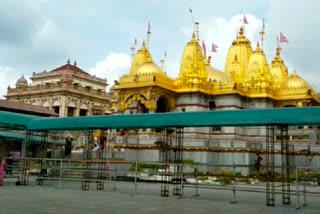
point(216, 75)
point(295, 82)
point(147, 68)
point(238, 57)
point(192, 62)
point(142, 56)
point(278, 69)
point(258, 69)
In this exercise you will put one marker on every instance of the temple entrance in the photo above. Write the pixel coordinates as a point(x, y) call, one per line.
point(212, 105)
point(162, 105)
point(141, 108)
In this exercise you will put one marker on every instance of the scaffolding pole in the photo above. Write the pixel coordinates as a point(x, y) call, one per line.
point(164, 158)
point(285, 164)
point(25, 163)
point(270, 169)
point(177, 181)
point(87, 156)
point(102, 164)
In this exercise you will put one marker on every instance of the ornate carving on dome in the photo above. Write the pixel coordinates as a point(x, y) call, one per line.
point(258, 70)
point(192, 69)
point(278, 69)
point(238, 57)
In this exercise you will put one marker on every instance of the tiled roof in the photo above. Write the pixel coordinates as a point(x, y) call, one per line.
point(70, 67)
point(17, 107)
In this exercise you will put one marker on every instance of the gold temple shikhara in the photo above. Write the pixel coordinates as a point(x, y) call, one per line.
point(248, 81)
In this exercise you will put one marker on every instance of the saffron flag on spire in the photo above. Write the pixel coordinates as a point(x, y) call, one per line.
point(214, 48)
point(204, 48)
point(149, 26)
point(245, 20)
point(283, 38)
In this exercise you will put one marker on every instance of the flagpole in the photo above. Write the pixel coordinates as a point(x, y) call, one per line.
point(148, 35)
point(132, 53)
point(194, 25)
point(262, 33)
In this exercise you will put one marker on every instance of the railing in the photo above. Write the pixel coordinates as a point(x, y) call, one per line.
point(62, 170)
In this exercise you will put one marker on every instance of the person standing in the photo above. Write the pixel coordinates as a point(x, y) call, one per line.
point(68, 148)
point(2, 173)
point(9, 165)
point(258, 161)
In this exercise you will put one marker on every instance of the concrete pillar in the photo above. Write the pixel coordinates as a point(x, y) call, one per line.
point(63, 107)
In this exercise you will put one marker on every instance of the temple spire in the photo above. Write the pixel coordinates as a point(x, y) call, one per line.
point(197, 31)
point(148, 35)
point(132, 53)
point(262, 33)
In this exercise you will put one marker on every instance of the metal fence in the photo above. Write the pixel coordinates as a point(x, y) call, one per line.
point(195, 176)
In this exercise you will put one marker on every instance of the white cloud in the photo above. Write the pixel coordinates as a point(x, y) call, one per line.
point(222, 32)
point(5, 79)
point(112, 67)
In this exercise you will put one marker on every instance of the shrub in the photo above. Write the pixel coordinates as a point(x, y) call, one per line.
point(141, 166)
point(226, 180)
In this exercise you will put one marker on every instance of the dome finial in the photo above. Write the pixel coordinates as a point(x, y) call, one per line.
point(197, 31)
point(278, 51)
point(294, 74)
point(68, 61)
point(262, 33)
point(241, 31)
point(209, 60)
point(75, 63)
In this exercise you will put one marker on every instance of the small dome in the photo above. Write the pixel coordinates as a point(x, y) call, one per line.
point(22, 82)
point(142, 56)
point(216, 75)
point(147, 68)
point(295, 82)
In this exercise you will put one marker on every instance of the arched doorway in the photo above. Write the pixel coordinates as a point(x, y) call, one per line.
point(212, 105)
point(141, 108)
point(162, 105)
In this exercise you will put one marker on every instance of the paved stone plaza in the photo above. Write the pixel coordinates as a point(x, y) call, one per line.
point(70, 199)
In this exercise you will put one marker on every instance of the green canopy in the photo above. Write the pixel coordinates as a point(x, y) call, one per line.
point(245, 117)
point(15, 120)
point(34, 139)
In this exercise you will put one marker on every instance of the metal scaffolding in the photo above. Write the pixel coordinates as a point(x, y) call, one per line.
point(87, 156)
point(164, 158)
point(270, 169)
point(25, 164)
point(177, 180)
point(102, 164)
point(285, 164)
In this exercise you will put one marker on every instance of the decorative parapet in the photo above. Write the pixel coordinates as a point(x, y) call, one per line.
point(54, 87)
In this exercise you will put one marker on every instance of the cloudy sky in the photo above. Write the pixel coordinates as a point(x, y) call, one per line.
point(37, 35)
